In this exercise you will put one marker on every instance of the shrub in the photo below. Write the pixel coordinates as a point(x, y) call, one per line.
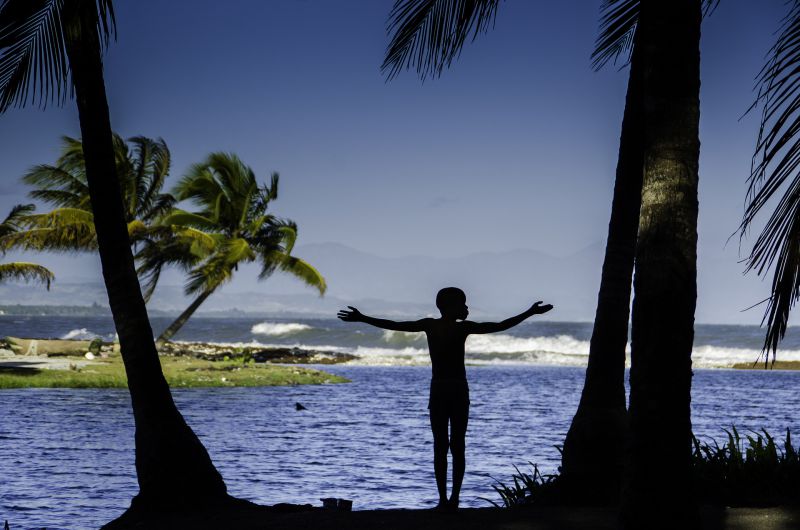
point(749, 470)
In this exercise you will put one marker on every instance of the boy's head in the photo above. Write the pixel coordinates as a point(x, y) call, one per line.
point(452, 302)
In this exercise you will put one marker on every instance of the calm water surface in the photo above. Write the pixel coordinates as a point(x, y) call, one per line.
point(66, 456)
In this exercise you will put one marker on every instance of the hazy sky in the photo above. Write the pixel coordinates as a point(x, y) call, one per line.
point(514, 147)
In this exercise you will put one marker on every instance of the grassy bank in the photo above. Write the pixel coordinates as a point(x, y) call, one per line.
point(181, 372)
point(779, 365)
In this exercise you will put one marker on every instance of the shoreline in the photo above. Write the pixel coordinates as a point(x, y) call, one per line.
point(759, 365)
point(44, 353)
point(54, 363)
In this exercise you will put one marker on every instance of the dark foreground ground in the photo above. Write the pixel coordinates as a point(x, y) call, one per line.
point(544, 518)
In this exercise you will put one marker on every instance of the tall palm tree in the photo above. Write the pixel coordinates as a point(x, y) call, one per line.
point(665, 283)
point(20, 270)
point(428, 36)
point(142, 168)
point(231, 227)
point(774, 176)
point(49, 50)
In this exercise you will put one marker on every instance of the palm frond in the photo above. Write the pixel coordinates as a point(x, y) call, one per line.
point(236, 251)
point(774, 170)
point(61, 198)
point(152, 168)
point(429, 34)
point(184, 248)
point(618, 21)
point(288, 236)
point(12, 221)
point(59, 217)
point(27, 272)
point(302, 270)
point(46, 176)
point(188, 219)
point(160, 207)
point(61, 230)
point(33, 59)
point(210, 275)
point(223, 187)
point(106, 21)
point(70, 238)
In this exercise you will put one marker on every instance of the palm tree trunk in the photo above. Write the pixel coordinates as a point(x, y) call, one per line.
point(178, 323)
point(173, 467)
point(658, 472)
point(593, 451)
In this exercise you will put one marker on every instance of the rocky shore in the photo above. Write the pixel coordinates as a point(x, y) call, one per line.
point(259, 354)
point(15, 346)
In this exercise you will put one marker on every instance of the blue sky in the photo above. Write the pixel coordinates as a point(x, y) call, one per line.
point(514, 147)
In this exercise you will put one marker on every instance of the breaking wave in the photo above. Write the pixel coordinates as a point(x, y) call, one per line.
point(80, 334)
point(274, 329)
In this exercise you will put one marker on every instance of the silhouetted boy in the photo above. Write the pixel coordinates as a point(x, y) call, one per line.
point(449, 397)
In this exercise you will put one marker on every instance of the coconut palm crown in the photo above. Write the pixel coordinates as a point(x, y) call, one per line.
point(230, 227)
point(142, 165)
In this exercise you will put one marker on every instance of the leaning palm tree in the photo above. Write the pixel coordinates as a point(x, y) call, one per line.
point(50, 50)
point(775, 180)
point(20, 270)
point(232, 227)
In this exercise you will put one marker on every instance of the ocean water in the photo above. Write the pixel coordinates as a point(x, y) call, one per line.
point(66, 456)
point(531, 343)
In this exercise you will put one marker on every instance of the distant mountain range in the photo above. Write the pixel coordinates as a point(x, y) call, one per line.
point(497, 284)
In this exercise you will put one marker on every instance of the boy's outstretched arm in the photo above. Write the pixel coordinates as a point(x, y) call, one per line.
point(354, 315)
point(494, 327)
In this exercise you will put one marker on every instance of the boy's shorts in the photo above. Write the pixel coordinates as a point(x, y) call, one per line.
point(449, 396)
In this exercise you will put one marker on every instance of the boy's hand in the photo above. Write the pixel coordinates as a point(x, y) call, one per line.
point(538, 308)
point(354, 315)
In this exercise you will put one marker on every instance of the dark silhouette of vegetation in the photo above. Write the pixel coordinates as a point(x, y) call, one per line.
point(774, 177)
point(749, 470)
point(50, 50)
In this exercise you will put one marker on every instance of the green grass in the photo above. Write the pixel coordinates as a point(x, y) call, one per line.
point(181, 372)
point(777, 365)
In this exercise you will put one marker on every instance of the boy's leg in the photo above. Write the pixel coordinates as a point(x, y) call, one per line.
point(439, 428)
point(458, 434)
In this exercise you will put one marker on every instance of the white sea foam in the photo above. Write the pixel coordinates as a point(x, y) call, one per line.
point(80, 334)
point(717, 357)
point(274, 329)
point(563, 344)
point(407, 349)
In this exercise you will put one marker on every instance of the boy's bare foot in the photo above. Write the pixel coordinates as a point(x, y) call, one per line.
point(442, 506)
point(452, 504)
